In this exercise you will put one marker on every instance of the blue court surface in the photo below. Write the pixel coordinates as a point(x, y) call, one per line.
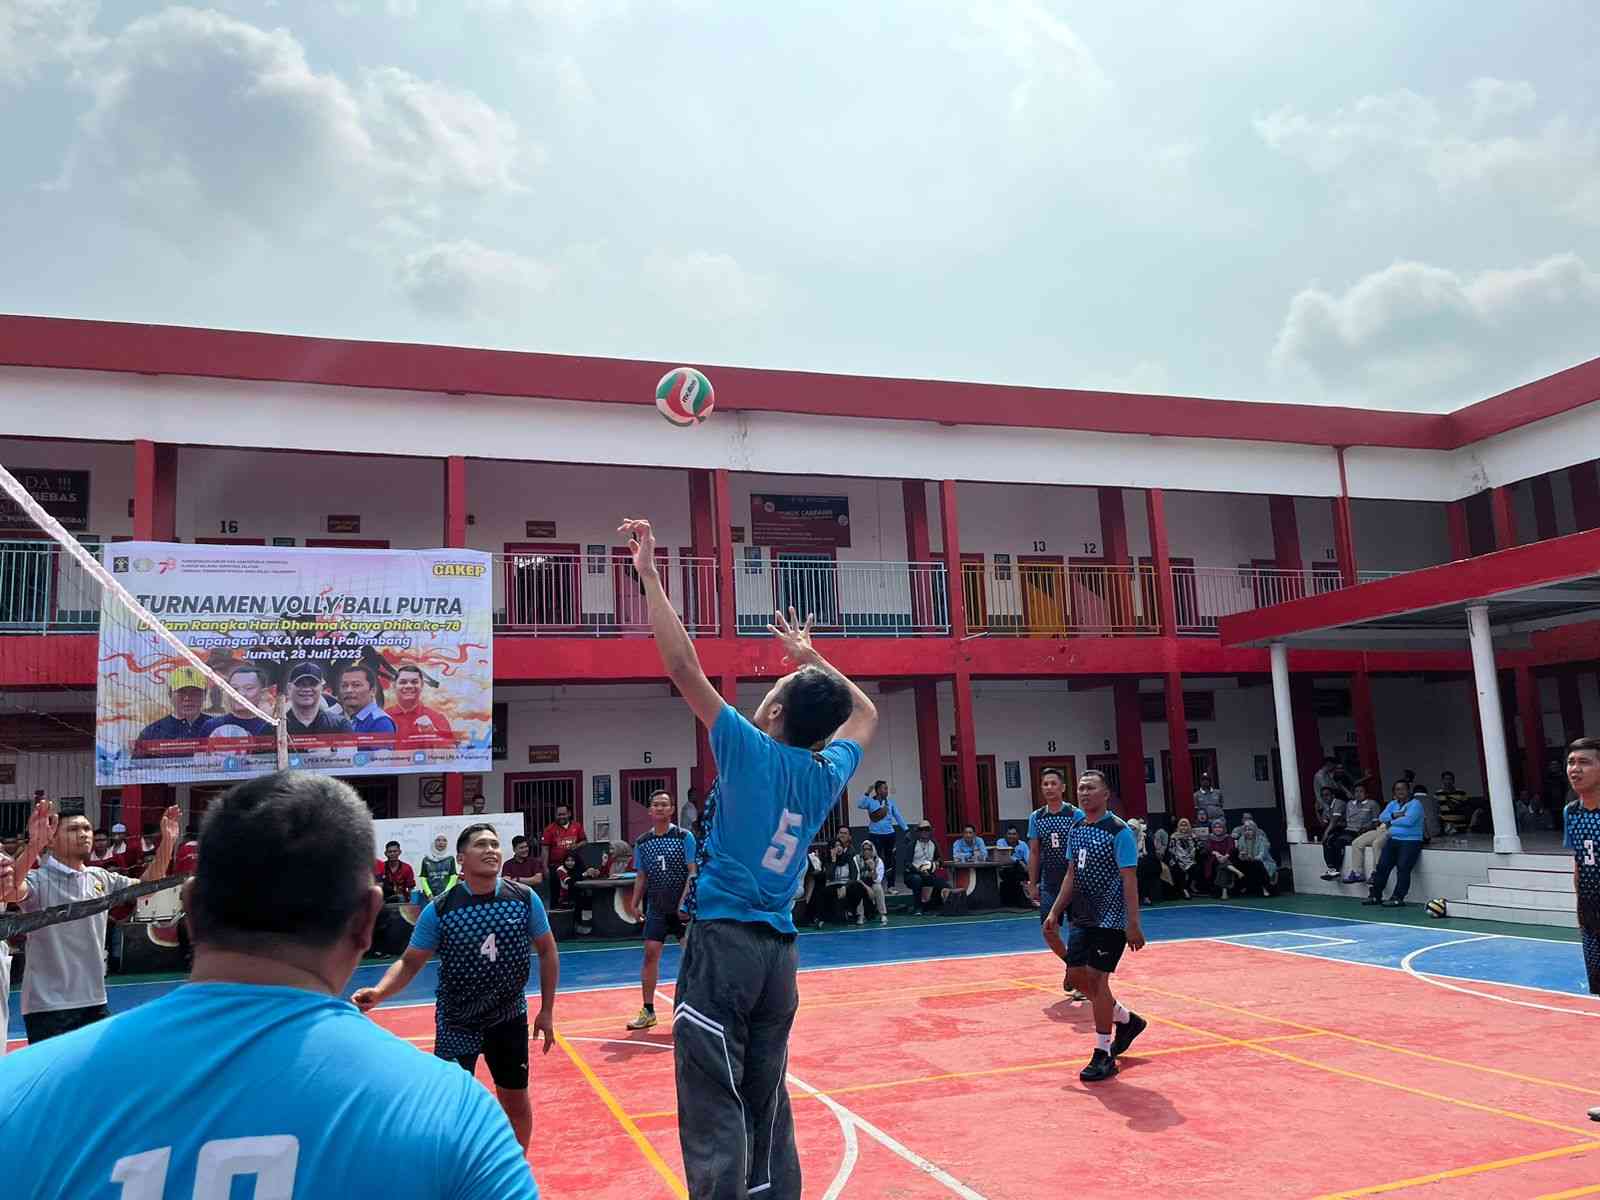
point(1453, 953)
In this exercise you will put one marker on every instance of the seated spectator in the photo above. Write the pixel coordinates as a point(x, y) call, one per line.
point(1366, 848)
point(969, 847)
point(872, 880)
point(1148, 871)
point(1014, 874)
point(1186, 859)
point(395, 876)
point(1457, 811)
point(925, 876)
point(808, 893)
point(1407, 823)
point(522, 865)
point(1219, 851)
point(1330, 810)
point(1252, 856)
point(567, 875)
point(1344, 826)
point(842, 893)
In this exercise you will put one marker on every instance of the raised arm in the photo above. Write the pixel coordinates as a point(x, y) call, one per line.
point(162, 862)
point(42, 824)
point(795, 637)
point(672, 640)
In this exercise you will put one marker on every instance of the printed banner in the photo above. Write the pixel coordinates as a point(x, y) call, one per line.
point(383, 659)
point(62, 494)
point(800, 522)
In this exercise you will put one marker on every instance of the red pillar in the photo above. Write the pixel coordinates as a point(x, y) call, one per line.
point(1504, 517)
point(1460, 530)
point(1544, 507)
point(1530, 713)
point(1130, 746)
point(1571, 704)
point(930, 757)
point(966, 750)
point(155, 491)
point(1114, 547)
point(1285, 533)
point(919, 549)
point(1585, 482)
point(950, 520)
point(1344, 543)
point(722, 506)
point(1178, 739)
point(1366, 729)
point(455, 534)
point(1161, 556)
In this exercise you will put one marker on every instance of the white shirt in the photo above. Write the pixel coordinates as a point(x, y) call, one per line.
point(67, 962)
point(922, 853)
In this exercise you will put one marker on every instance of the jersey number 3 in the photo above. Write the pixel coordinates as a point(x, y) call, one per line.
point(271, 1160)
point(1588, 852)
point(780, 853)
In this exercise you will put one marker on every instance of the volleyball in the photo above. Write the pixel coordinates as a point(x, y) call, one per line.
point(1437, 908)
point(684, 396)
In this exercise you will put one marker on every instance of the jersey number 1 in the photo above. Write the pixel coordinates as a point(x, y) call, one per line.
point(271, 1160)
point(780, 853)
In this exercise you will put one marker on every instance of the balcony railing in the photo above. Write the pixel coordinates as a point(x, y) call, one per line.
point(1204, 595)
point(1034, 599)
point(42, 590)
point(854, 599)
point(555, 595)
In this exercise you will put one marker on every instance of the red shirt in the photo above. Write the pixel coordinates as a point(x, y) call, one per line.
point(525, 869)
point(186, 859)
point(557, 841)
point(397, 879)
point(422, 726)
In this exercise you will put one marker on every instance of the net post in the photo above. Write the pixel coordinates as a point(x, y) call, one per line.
point(282, 732)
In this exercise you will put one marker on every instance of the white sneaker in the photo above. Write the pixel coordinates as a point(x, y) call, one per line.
point(882, 919)
point(644, 1020)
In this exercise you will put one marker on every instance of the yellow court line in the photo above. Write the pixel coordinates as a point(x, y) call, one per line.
point(1591, 1190)
point(1498, 1164)
point(1378, 1080)
point(632, 1130)
point(989, 1071)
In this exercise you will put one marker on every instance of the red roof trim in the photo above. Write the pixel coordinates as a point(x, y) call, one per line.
point(225, 354)
point(1547, 397)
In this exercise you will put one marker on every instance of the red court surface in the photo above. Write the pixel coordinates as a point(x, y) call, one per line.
point(1262, 1075)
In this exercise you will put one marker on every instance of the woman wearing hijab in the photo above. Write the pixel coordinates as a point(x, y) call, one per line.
point(1148, 872)
point(1184, 859)
point(872, 879)
point(1221, 875)
point(1252, 853)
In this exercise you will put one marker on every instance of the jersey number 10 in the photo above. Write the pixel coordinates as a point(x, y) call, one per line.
point(271, 1160)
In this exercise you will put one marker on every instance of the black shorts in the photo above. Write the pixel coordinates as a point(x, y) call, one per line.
point(659, 926)
point(505, 1051)
point(1101, 949)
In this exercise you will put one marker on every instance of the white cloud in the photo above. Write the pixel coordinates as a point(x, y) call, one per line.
point(207, 118)
point(1056, 73)
point(35, 34)
point(1414, 335)
point(465, 279)
point(1385, 149)
point(708, 286)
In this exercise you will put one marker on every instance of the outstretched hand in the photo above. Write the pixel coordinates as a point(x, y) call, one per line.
point(793, 636)
point(171, 825)
point(42, 824)
point(641, 545)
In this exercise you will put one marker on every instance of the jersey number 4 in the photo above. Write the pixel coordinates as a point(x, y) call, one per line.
point(785, 843)
point(270, 1160)
point(489, 950)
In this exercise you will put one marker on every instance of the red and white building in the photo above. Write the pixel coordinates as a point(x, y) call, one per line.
point(1125, 562)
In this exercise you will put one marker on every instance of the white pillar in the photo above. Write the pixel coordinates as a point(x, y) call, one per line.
point(1294, 821)
point(1501, 802)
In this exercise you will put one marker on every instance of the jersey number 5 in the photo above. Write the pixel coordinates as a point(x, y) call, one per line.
point(780, 853)
point(270, 1160)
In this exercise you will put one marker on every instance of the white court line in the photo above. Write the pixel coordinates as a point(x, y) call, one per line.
point(847, 1130)
point(620, 1042)
point(932, 1170)
point(1289, 912)
point(1405, 965)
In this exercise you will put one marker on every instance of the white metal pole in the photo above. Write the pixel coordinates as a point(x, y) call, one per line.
point(1294, 821)
point(1501, 802)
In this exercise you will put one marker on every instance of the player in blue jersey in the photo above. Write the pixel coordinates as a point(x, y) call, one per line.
point(779, 776)
point(1048, 826)
point(255, 1078)
point(663, 863)
point(485, 930)
point(1581, 824)
point(1101, 900)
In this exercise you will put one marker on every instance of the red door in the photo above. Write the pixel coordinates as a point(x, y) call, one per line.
point(636, 787)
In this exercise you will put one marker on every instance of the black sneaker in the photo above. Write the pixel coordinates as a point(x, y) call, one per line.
point(1126, 1032)
point(1101, 1067)
point(1372, 900)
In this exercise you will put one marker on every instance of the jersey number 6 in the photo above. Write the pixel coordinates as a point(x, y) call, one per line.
point(780, 853)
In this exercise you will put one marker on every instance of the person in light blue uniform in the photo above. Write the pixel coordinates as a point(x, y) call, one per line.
point(884, 825)
point(779, 775)
point(255, 1077)
point(1402, 850)
point(1100, 898)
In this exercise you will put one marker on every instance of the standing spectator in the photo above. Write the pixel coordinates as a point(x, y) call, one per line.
point(689, 817)
point(1208, 805)
point(1148, 871)
point(1405, 820)
point(842, 892)
point(884, 823)
point(872, 880)
point(1185, 859)
point(122, 854)
point(1252, 857)
point(522, 865)
point(1366, 848)
point(925, 875)
point(1329, 776)
point(438, 870)
point(395, 876)
point(1219, 853)
point(561, 835)
point(969, 847)
point(64, 986)
point(101, 855)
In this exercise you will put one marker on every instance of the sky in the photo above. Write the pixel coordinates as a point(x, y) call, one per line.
point(1366, 203)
